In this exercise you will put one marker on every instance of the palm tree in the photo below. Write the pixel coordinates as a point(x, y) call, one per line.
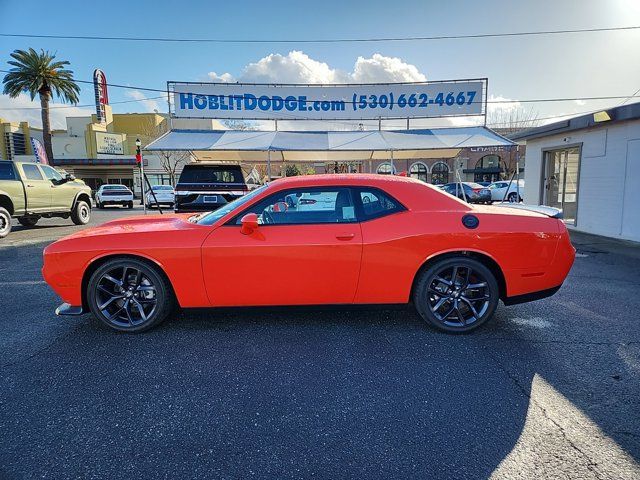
point(38, 73)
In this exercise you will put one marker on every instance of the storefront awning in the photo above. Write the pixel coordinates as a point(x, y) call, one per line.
point(451, 139)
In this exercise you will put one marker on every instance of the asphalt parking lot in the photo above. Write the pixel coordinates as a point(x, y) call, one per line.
point(549, 389)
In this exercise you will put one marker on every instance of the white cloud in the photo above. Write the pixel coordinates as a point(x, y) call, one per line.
point(149, 105)
point(22, 109)
point(497, 103)
point(379, 68)
point(225, 77)
point(298, 67)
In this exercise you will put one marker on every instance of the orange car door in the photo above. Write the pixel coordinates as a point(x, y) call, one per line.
point(305, 251)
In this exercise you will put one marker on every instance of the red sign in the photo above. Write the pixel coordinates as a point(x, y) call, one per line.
point(102, 96)
point(138, 158)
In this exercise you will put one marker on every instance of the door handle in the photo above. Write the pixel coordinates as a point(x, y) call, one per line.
point(345, 236)
point(29, 185)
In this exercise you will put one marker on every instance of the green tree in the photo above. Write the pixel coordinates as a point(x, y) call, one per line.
point(37, 73)
point(292, 170)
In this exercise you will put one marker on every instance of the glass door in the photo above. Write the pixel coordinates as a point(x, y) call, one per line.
point(561, 181)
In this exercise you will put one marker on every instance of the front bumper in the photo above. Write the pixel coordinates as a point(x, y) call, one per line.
point(66, 309)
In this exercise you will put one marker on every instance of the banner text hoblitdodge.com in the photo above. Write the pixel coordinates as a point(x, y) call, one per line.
point(328, 102)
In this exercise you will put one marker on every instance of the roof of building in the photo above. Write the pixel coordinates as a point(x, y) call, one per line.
point(344, 141)
point(595, 119)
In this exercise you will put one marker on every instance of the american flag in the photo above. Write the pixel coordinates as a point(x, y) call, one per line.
point(39, 151)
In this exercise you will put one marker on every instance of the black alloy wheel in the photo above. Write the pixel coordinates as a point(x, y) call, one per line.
point(129, 295)
point(456, 295)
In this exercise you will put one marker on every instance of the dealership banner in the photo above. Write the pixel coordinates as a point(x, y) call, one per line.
point(328, 102)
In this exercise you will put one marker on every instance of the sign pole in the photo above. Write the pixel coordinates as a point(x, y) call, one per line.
point(142, 177)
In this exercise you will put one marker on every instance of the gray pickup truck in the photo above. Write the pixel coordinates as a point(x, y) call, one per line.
point(30, 191)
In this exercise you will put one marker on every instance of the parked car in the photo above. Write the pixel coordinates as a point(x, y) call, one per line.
point(208, 186)
point(114, 195)
point(164, 195)
point(473, 192)
point(515, 190)
point(410, 242)
point(30, 191)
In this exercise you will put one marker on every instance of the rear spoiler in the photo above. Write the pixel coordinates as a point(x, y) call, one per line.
point(544, 210)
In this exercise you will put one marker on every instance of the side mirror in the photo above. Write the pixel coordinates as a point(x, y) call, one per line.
point(249, 223)
point(69, 178)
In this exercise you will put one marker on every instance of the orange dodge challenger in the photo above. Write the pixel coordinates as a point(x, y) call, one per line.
point(315, 240)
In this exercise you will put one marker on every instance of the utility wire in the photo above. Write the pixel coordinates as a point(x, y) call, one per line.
point(321, 40)
point(535, 100)
point(82, 106)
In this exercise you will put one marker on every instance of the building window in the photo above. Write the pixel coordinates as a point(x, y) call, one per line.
point(419, 170)
point(15, 144)
point(488, 169)
point(385, 169)
point(440, 173)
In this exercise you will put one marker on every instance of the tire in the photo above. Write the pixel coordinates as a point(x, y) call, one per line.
point(81, 213)
point(118, 289)
point(5, 222)
point(446, 306)
point(512, 197)
point(130, 205)
point(28, 221)
point(99, 205)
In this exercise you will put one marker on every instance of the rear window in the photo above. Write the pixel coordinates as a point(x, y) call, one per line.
point(115, 187)
point(211, 174)
point(6, 171)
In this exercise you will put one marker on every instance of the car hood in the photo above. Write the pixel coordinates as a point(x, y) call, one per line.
point(138, 224)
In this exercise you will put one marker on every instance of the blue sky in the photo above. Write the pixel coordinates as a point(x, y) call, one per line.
point(594, 64)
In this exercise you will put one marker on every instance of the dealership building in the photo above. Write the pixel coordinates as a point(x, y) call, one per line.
point(589, 166)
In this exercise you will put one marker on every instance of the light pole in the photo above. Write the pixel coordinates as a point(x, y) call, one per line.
point(139, 159)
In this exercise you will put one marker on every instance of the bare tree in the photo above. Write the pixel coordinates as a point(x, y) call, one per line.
point(172, 161)
point(506, 121)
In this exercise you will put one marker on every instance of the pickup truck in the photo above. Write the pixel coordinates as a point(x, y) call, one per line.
point(30, 191)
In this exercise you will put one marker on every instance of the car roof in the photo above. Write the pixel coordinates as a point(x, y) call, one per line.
point(370, 179)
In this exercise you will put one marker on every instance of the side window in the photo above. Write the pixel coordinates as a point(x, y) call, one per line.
point(31, 172)
point(51, 173)
point(304, 206)
point(376, 203)
point(6, 171)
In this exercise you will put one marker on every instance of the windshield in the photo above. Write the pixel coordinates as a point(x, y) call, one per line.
point(211, 217)
point(211, 174)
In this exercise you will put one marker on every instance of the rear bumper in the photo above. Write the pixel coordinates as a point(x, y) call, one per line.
point(530, 297)
point(66, 309)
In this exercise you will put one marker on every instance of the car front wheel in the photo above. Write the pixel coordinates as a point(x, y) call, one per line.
point(456, 294)
point(513, 197)
point(81, 213)
point(129, 295)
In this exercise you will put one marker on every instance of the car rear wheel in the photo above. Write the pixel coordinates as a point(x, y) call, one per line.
point(5, 222)
point(81, 213)
point(28, 221)
point(513, 197)
point(129, 295)
point(456, 295)
point(130, 204)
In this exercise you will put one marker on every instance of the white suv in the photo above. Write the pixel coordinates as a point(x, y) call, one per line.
point(114, 195)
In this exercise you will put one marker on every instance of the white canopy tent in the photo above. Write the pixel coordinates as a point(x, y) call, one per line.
point(314, 146)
